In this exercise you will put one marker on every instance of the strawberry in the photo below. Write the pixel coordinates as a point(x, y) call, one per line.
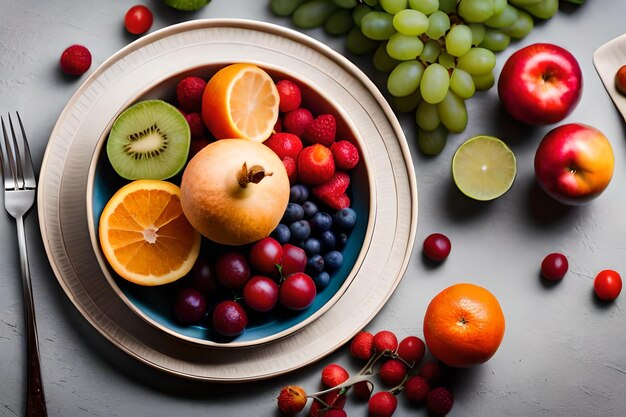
point(439, 401)
point(385, 340)
point(362, 346)
point(75, 60)
point(278, 126)
point(290, 95)
point(296, 121)
point(411, 349)
point(333, 375)
point(196, 125)
point(363, 390)
point(416, 388)
point(315, 165)
point(321, 130)
point(284, 145)
point(345, 154)
point(431, 371)
point(382, 404)
point(291, 400)
point(292, 170)
point(333, 192)
point(189, 94)
point(392, 372)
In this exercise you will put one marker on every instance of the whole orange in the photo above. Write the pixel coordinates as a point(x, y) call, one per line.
point(463, 325)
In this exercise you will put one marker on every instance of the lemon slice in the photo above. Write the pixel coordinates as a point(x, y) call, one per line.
point(483, 168)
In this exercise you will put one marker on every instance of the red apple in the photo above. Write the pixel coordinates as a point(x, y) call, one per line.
point(540, 84)
point(574, 163)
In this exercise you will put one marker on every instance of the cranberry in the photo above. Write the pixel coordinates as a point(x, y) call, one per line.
point(202, 276)
point(297, 291)
point(190, 306)
point(294, 259)
point(229, 318)
point(266, 254)
point(607, 285)
point(260, 293)
point(554, 266)
point(232, 270)
point(437, 247)
point(411, 349)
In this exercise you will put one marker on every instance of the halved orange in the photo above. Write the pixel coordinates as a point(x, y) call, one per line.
point(240, 101)
point(145, 236)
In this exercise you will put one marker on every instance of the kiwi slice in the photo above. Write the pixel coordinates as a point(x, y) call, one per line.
point(149, 140)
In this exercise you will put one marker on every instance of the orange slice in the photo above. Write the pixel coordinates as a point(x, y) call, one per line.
point(240, 101)
point(144, 234)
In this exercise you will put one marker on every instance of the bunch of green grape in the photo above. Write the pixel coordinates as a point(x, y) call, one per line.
point(437, 53)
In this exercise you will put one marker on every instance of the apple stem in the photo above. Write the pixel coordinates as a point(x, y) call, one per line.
point(254, 175)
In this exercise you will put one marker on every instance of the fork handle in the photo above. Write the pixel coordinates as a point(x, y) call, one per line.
point(35, 400)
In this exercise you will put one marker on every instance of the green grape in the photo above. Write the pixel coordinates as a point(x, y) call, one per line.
point(478, 32)
point(522, 26)
point(284, 7)
point(475, 11)
point(405, 78)
point(477, 61)
point(498, 6)
point(408, 103)
point(403, 47)
point(435, 83)
point(447, 6)
point(339, 22)
point(359, 44)
point(432, 142)
point(484, 82)
point(453, 113)
point(495, 40)
point(377, 26)
point(393, 6)
point(410, 22)
point(313, 13)
point(524, 2)
point(431, 51)
point(462, 84)
point(381, 59)
point(438, 23)
point(542, 10)
point(371, 3)
point(426, 116)
point(346, 4)
point(358, 12)
point(425, 6)
point(459, 40)
point(504, 19)
point(447, 60)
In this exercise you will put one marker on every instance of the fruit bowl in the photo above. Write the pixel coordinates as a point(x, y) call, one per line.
point(155, 303)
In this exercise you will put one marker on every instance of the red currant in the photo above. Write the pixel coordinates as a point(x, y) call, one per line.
point(138, 19)
point(554, 266)
point(260, 293)
point(437, 247)
point(607, 285)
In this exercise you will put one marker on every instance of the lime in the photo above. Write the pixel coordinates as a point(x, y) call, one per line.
point(483, 168)
point(187, 5)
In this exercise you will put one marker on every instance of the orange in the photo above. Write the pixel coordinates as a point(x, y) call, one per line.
point(144, 234)
point(240, 101)
point(463, 325)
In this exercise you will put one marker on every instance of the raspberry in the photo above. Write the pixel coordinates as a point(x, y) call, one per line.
point(363, 390)
point(385, 340)
point(315, 165)
point(411, 349)
point(345, 154)
point(333, 375)
point(297, 120)
point(197, 144)
point(439, 401)
point(382, 404)
point(278, 126)
point(196, 125)
point(189, 94)
point(362, 346)
point(416, 388)
point(75, 60)
point(284, 145)
point(431, 371)
point(333, 192)
point(392, 372)
point(292, 169)
point(290, 96)
point(291, 400)
point(321, 130)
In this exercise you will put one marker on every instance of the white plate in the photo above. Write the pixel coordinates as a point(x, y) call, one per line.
point(607, 59)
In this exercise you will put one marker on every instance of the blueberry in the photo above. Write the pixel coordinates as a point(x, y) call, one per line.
point(300, 230)
point(312, 246)
point(315, 263)
point(310, 208)
point(321, 222)
point(322, 280)
point(282, 234)
point(342, 240)
point(293, 212)
point(298, 193)
point(345, 218)
point(333, 259)
point(328, 240)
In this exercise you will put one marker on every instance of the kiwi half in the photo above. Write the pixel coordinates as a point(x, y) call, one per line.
point(149, 140)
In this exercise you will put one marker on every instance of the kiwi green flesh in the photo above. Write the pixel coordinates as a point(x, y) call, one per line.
point(149, 140)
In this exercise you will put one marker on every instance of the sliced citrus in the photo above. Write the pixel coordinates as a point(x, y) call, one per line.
point(483, 168)
point(144, 234)
point(240, 101)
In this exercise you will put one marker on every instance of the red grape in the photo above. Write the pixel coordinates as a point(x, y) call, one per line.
point(190, 306)
point(437, 247)
point(607, 285)
point(229, 318)
point(138, 19)
point(266, 254)
point(260, 293)
point(294, 259)
point(554, 266)
point(232, 270)
point(297, 291)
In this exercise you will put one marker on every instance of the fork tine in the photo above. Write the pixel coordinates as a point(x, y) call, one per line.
point(15, 156)
point(8, 171)
point(29, 172)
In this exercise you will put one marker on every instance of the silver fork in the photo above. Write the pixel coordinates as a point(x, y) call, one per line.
point(19, 195)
